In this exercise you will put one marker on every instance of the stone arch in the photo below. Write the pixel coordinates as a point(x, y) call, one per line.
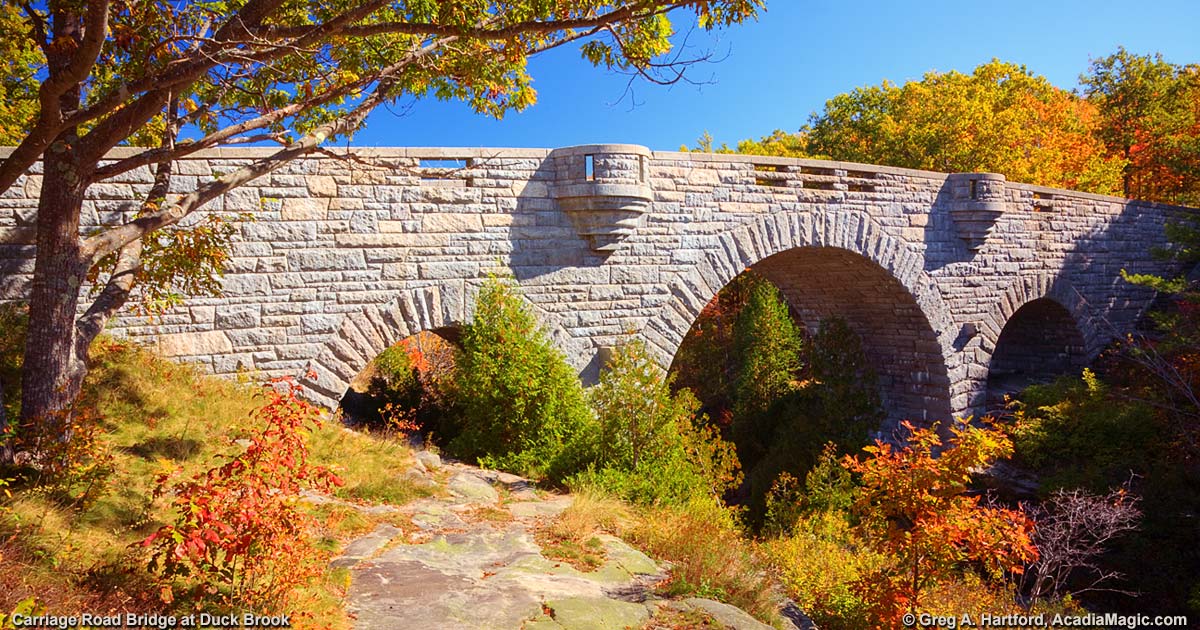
point(1040, 327)
point(1022, 291)
point(849, 236)
point(364, 334)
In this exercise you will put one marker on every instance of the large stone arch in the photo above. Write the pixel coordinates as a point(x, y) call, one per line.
point(856, 234)
point(364, 334)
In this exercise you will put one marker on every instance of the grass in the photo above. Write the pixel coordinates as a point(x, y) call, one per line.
point(585, 555)
point(73, 549)
point(668, 618)
point(487, 513)
point(710, 556)
point(571, 537)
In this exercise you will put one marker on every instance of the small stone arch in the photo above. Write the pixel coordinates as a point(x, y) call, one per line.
point(364, 334)
point(854, 232)
point(1043, 317)
point(1024, 290)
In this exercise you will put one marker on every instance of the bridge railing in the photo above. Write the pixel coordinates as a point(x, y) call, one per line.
point(831, 175)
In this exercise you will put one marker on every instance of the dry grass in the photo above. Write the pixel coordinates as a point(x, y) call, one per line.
point(158, 416)
point(709, 556)
point(372, 466)
point(24, 575)
point(495, 515)
point(571, 537)
point(668, 618)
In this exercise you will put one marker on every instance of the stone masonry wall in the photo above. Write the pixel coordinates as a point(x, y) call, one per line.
point(347, 256)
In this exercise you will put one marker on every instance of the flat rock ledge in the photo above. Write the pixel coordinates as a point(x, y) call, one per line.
point(473, 564)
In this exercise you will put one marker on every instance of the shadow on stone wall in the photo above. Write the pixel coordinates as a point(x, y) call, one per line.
point(1041, 247)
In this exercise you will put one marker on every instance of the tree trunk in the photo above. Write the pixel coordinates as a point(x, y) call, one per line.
point(54, 364)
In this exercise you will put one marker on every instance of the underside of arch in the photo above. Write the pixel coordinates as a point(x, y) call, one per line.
point(1040, 341)
point(834, 263)
point(824, 282)
point(1058, 290)
point(1042, 326)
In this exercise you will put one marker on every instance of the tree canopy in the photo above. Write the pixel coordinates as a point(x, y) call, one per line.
point(19, 62)
point(1133, 131)
point(1150, 112)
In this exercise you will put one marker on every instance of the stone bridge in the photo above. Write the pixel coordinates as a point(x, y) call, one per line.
point(953, 281)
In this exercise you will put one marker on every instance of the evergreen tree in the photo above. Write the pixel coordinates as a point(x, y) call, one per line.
point(768, 343)
point(522, 403)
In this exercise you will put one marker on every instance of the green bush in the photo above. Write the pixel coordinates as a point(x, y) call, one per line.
point(638, 416)
point(523, 407)
point(845, 384)
point(650, 446)
point(1075, 435)
point(828, 488)
point(397, 376)
point(836, 401)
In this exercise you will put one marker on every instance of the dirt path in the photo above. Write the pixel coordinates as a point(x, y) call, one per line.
point(473, 564)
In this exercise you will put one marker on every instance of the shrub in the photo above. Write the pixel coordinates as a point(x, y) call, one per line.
point(651, 447)
point(836, 402)
point(523, 407)
point(238, 534)
point(409, 388)
point(913, 506)
point(828, 488)
point(819, 563)
point(1076, 435)
point(639, 419)
point(845, 384)
point(13, 320)
point(73, 471)
point(1098, 434)
point(1074, 528)
point(397, 376)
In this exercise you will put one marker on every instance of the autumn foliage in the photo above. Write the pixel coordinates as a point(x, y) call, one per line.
point(1150, 111)
point(914, 506)
point(1132, 130)
point(239, 538)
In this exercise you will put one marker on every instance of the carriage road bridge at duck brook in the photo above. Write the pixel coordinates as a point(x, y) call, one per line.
point(955, 282)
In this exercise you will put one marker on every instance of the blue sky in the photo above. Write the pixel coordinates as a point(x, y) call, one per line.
point(775, 72)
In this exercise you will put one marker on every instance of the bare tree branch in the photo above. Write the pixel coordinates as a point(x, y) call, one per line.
point(1074, 529)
